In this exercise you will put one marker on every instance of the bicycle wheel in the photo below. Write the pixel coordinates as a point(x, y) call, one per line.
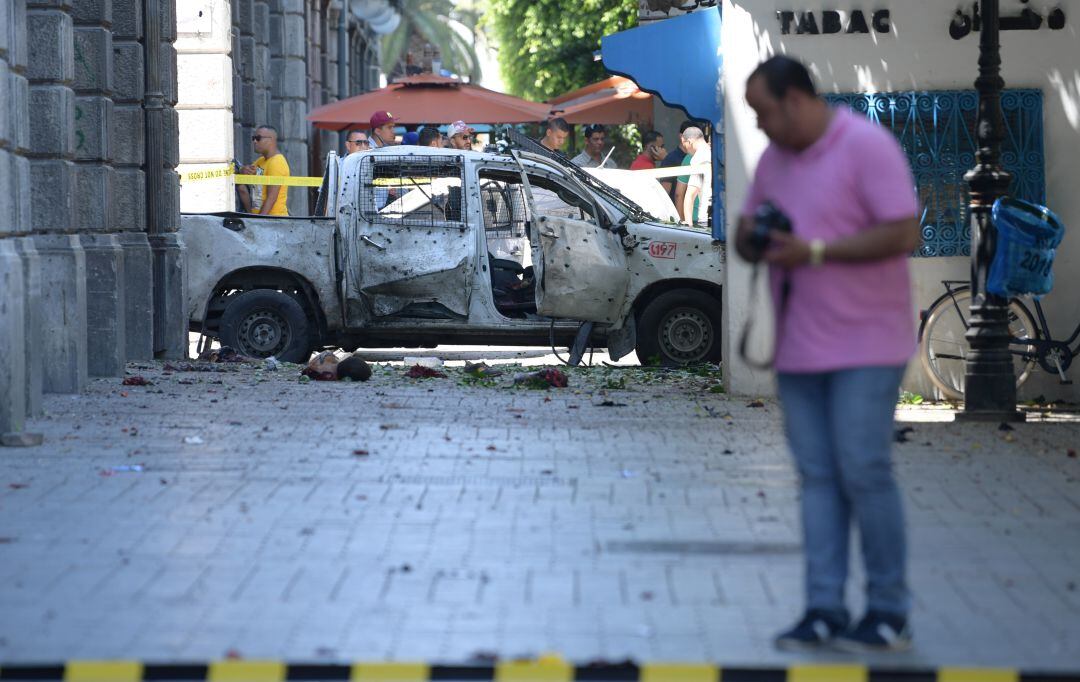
point(943, 348)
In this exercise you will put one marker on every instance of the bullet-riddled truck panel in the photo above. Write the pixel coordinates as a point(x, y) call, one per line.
point(219, 245)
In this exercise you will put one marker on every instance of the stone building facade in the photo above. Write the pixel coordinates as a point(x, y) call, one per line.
point(90, 263)
point(243, 63)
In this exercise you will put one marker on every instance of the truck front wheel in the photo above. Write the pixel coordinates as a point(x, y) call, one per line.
point(264, 323)
point(679, 327)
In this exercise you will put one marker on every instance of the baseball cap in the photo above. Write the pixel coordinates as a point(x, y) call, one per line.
point(459, 128)
point(381, 118)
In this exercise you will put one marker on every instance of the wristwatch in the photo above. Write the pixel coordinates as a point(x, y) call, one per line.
point(817, 252)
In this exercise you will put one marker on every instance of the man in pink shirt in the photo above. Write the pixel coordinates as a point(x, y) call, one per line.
point(845, 331)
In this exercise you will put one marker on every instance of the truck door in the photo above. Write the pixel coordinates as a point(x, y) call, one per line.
point(411, 249)
point(580, 267)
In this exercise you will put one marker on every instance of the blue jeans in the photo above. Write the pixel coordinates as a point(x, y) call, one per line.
point(840, 429)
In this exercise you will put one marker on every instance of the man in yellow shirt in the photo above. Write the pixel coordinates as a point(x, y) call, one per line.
point(270, 162)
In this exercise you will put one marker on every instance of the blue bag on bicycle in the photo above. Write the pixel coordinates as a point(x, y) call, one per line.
point(1028, 235)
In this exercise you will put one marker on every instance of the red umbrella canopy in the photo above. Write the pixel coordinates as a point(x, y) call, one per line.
point(612, 101)
point(428, 99)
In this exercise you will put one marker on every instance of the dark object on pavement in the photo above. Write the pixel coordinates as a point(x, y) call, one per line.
point(610, 403)
point(421, 372)
point(545, 378)
point(136, 381)
point(1005, 427)
point(224, 354)
point(322, 367)
point(353, 368)
point(755, 403)
point(481, 370)
point(901, 435)
point(21, 439)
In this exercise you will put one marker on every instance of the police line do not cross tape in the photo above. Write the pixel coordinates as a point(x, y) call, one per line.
point(222, 172)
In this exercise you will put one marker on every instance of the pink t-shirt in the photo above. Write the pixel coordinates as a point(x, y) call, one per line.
point(841, 315)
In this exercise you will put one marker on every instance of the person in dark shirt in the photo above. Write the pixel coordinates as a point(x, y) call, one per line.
point(675, 158)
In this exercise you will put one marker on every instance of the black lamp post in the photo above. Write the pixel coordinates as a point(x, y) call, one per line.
point(990, 382)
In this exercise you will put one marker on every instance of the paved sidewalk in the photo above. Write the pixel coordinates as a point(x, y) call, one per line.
point(485, 520)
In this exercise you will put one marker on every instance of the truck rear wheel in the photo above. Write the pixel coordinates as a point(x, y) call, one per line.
point(264, 323)
point(679, 327)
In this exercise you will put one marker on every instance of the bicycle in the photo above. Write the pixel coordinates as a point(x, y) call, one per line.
point(943, 348)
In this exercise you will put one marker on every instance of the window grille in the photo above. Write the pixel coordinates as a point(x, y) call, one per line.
point(504, 209)
point(416, 191)
point(937, 131)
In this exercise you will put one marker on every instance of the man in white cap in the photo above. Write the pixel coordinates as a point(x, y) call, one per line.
point(461, 135)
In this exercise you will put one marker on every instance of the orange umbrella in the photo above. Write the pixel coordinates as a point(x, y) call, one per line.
point(612, 101)
point(428, 98)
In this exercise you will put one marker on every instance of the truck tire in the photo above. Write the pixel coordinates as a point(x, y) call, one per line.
point(264, 323)
point(679, 327)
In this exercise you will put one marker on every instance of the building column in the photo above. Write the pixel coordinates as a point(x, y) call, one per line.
point(12, 341)
point(204, 70)
point(289, 90)
point(50, 71)
point(34, 362)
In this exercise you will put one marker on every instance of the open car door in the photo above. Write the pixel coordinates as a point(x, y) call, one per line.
point(580, 266)
point(410, 249)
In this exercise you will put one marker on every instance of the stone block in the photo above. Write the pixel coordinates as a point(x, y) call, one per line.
point(170, 201)
point(245, 19)
point(128, 138)
point(63, 310)
point(262, 66)
point(247, 57)
point(93, 60)
point(7, 128)
point(35, 363)
point(168, 19)
point(94, 128)
point(167, 65)
point(129, 199)
point(20, 188)
point(262, 104)
point(94, 196)
point(7, 18)
point(50, 39)
point(290, 118)
point(206, 135)
point(106, 350)
point(7, 195)
point(52, 126)
point(170, 318)
point(247, 103)
point(287, 6)
point(138, 296)
point(52, 209)
point(288, 77)
point(294, 44)
point(262, 22)
point(18, 53)
point(18, 106)
point(128, 71)
point(171, 133)
point(127, 19)
point(92, 12)
point(275, 38)
point(204, 80)
point(12, 340)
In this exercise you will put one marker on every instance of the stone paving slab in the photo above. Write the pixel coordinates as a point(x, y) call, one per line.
point(487, 520)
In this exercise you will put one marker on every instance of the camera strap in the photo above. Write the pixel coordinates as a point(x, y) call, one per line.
point(744, 340)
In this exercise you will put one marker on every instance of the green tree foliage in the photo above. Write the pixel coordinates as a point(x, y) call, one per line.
point(546, 46)
point(430, 20)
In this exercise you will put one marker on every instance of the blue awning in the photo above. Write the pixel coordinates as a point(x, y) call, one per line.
point(676, 59)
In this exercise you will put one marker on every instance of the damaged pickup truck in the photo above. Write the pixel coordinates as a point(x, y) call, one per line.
point(418, 247)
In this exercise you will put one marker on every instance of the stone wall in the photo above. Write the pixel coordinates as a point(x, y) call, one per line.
point(258, 62)
point(82, 290)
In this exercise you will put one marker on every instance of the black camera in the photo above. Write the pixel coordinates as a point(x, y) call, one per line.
point(766, 219)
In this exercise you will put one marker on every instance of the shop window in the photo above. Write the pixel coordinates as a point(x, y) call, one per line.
point(937, 131)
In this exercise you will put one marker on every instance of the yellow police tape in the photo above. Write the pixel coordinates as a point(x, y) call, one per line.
point(221, 172)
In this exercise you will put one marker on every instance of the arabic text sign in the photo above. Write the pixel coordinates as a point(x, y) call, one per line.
point(1028, 19)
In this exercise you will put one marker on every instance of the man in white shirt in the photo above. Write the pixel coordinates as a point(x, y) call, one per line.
point(700, 184)
point(593, 156)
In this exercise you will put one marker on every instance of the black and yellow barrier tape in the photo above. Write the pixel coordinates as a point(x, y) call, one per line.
point(544, 669)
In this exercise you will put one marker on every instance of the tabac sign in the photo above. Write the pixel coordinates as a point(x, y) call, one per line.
point(833, 22)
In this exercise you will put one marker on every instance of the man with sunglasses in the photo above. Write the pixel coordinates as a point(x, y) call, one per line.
point(270, 162)
point(356, 141)
point(461, 135)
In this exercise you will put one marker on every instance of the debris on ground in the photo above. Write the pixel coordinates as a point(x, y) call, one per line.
point(482, 370)
point(122, 469)
point(610, 403)
point(271, 364)
point(193, 440)
point(322, 367)
point(353, 368)
point(21, 439)
point(1071, 454)
point(224, 354)
point(755, 403)
point(548, 377)
point(430, 362)
point(419, 371)
point(18, 486)
point(136, 380)
point(360, 453)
